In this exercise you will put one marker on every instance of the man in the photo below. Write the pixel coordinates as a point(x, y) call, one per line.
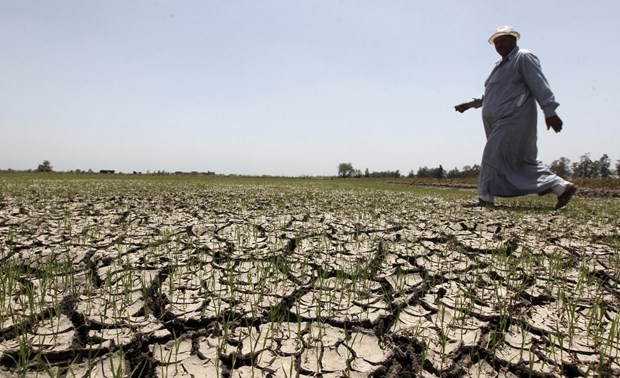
point(509, 161)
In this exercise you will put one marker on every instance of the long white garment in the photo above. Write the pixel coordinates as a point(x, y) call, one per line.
point(510, 166)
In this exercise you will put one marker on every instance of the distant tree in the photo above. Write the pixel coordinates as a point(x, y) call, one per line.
point(618, 168)
point(366, 173)
point(438, 172)
point(412, 174)
point(561, 167)
point(454, 173)
point(46, 166)
point(345, 170)
point(604, 166)
point(584, 168)
point(465, 171)
point(423, 172)
point(471, 171)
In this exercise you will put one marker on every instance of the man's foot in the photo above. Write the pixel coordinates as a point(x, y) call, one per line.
point(565, 197)
point(478, 203)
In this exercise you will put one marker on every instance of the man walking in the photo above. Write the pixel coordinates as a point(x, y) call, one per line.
point(510, 166)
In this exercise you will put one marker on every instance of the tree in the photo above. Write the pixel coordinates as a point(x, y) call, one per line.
point(423, 172)
point(453, 173)
point(561, 167)
point(603, 166)
point(438, 172)
point(395, 173)
point(345, 170)
point(471, 171)
point(584, 168)
point(618, 168)
point(46, 166)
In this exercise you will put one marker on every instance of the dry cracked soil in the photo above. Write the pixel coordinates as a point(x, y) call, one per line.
point(302, 281)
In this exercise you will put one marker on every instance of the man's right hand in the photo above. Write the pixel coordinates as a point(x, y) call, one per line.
point(555, 123)
point(462, 107)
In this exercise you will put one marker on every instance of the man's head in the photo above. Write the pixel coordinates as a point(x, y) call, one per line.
point(505, 44)
point(505, 40)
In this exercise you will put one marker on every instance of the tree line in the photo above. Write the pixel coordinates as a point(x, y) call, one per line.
point(346, 170)
point(47, 167)
point(585, 167)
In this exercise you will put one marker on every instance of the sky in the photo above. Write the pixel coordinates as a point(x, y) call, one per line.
point(288, 87)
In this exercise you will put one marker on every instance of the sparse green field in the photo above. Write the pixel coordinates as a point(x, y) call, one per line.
point(206, 276)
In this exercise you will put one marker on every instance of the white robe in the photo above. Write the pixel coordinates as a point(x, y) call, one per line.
point(510, 166)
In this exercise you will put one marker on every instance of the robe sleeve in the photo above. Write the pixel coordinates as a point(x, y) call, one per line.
point(476, 102)
point(537, 83)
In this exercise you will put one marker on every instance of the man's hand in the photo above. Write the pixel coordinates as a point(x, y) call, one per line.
point(555, 123)
point(462, 107)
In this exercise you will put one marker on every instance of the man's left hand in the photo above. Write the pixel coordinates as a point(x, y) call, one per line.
point(555, 123)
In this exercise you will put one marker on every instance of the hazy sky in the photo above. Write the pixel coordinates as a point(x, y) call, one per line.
point(288, 87)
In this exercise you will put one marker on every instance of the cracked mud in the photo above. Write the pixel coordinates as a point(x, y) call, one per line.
point(294, 281)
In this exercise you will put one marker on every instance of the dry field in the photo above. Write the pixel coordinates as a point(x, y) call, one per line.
point(220, 277)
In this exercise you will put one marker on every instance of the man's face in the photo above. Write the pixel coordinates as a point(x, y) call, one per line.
point(504, 44)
